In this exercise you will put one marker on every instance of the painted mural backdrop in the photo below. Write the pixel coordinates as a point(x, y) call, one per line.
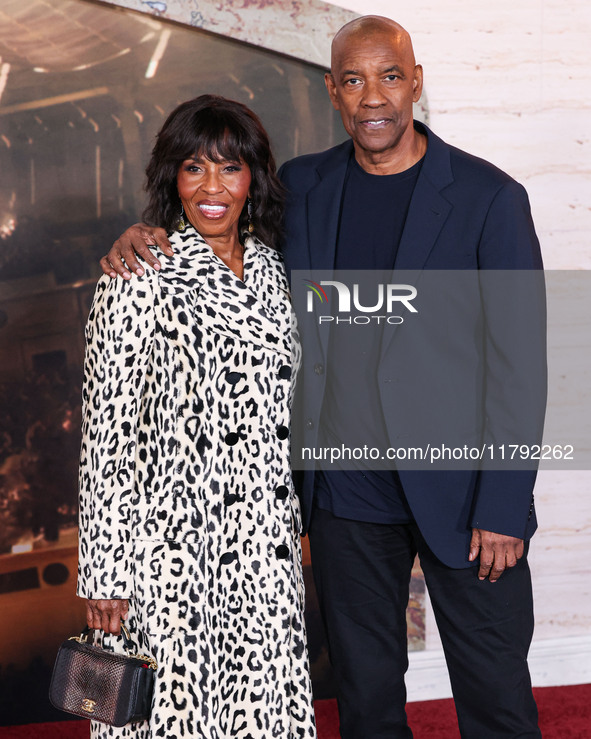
point(83, 90)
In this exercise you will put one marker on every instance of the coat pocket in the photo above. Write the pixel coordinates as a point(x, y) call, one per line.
point(169, 586)
point(176, 515)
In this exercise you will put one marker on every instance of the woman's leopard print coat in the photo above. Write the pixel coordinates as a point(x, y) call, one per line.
point(186, 502)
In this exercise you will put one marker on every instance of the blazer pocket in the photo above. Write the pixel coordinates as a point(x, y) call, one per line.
point(169, 586)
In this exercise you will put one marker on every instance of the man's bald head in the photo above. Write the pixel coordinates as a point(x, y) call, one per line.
point(369, 26)
point(373, 83)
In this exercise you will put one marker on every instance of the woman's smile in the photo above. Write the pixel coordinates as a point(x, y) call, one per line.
point(213, 209)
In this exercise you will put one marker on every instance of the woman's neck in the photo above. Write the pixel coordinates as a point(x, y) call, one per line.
point(229, 250)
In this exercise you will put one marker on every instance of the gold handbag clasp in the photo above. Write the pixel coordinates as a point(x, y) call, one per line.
point(88, 705)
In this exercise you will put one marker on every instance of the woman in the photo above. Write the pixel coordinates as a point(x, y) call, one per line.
point(188, 522)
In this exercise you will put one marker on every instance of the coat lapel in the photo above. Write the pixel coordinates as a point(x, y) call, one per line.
point(266, 280)
point(223, 302)
point(187, 267)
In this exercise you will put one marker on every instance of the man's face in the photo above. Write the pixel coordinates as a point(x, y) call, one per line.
point(373, 84)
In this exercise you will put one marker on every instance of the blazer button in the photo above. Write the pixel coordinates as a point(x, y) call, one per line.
point(232, 438)
point(228, 558)
point(285, 372)
point(282, 432)
point(230, 498)
point(309, 424)
point(319, 369)
point(282, 552)
point(282, 492)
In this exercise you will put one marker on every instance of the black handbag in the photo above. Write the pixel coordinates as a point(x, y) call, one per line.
point(97, 683)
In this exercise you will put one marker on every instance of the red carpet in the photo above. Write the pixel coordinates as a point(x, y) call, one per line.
point(565, 713)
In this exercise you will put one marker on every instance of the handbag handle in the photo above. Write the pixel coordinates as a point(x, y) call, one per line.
point(129, 644)
point(87, 636)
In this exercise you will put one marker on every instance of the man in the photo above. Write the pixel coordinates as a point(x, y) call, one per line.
point(397, 197)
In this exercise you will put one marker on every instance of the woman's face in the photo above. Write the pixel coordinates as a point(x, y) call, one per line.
point(213, 194)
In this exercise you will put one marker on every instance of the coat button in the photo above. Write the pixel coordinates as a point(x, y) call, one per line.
point(282, 432)
point(234, 377)
point(282, 492)
point(282, 552)
point(319, 369)
point(232, 438)
point(230, 498)
point(285, 372)
point(309, 424)
point(228, 558)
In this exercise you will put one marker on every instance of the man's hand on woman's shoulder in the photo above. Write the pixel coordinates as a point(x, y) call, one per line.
point(122, 257)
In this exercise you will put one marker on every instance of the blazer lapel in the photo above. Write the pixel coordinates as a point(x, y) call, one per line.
point(324, 206)
point(427, 213)
point(323, 214)
point(428, 209)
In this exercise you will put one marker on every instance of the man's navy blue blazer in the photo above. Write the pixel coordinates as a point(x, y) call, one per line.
point(465, 214)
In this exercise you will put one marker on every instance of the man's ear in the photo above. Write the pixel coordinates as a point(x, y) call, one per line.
point(417, 83)
point(332, 90)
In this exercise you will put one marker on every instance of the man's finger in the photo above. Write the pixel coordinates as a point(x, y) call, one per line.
point(107, 267)
point(486, 563)
point(498, 568)
point(128, 253)
point(475, 542)
point(113, 258)
point(511, 559)
point(143, 248)
point(160, 237)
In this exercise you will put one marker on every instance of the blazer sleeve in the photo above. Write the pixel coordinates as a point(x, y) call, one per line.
point(119, 342)
point(513, 296)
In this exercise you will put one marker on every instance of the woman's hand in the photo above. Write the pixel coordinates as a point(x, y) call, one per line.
point(136, 240)
point(106, 614)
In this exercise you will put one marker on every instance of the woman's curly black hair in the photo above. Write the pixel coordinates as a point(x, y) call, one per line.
point(218, 129)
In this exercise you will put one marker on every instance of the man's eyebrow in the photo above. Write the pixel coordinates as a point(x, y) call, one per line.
point(394, 68)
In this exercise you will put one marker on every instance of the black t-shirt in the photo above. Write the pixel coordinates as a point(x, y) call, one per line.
point(373, 213)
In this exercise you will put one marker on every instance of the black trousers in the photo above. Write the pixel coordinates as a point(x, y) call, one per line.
point(362, 574)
